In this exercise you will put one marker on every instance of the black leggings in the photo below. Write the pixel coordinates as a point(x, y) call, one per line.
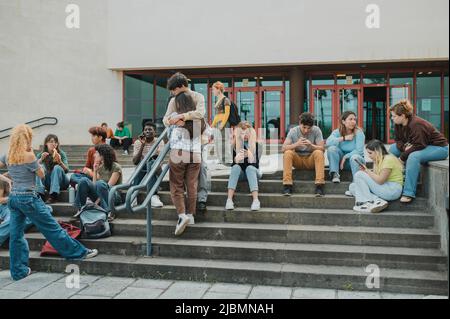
point(125, 143)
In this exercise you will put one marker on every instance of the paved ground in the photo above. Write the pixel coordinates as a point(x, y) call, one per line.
point(53, 286)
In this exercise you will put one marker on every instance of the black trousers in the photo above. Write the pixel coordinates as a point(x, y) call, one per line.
point(125, 143)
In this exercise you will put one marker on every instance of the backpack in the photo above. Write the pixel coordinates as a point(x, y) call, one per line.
point(94, 222)
point(234, 118)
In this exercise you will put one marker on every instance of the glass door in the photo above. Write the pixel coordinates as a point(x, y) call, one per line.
point(348, 100)
point(272, 114)
point(246, 99)
point(396, 93)
point(322, 108)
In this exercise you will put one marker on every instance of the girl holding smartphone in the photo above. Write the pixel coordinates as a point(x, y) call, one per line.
point(372, 189)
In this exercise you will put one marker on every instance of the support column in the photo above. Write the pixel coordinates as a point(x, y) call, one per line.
point(297, 94)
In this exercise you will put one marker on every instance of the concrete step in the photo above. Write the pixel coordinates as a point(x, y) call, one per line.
point(329, 201)
point(337, 255)
point(276, 186)
point(291, 216)
point(314, 234)
point(255, 273)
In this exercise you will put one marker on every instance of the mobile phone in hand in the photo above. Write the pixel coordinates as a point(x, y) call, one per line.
point(357, 160)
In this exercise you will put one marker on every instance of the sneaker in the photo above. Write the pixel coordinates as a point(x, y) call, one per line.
point(201, 206)
point(363, 207)
point(191, 219)
point(156, 201)
point(319, 191)
point(229, 205)
point(287, 191)
point(256, 205)
point(335, 178)
point(29, 271)
point(52, 199)
point(349, 194)
point(183, 221)
point(125, 152)
point(91, 253)
point(379, 205)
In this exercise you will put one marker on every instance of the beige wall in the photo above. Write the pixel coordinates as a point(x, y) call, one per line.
point(49, 70)
point(178, 33)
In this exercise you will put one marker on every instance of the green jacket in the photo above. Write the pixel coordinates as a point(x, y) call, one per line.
point(51, 163)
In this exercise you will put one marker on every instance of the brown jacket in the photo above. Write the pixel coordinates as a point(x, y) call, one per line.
point(419, 133)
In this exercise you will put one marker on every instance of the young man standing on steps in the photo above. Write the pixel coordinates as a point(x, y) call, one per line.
point(304, 149)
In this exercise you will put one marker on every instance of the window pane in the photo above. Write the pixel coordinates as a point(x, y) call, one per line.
point(429, 98)
point(323, 79)
point(162, 97)
point(446, 104)
point(287, 105)
point(348, 79)
point(323, 104)
point(377, 78)
point(272, 81)
point(139, 87)
point(201, 86)
point(244, 82)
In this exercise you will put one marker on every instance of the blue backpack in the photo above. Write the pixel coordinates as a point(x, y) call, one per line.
point(94, 222)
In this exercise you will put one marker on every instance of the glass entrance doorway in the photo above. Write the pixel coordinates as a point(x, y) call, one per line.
point(263, 107)
point(375, 113)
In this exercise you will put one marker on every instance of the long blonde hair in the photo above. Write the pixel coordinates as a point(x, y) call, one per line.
point(19, 142)
point(380, 153)
point(239, 143)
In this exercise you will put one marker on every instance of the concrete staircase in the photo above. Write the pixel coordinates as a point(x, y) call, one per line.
point(292, 241)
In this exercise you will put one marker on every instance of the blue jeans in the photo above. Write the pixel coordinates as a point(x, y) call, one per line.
point(429, 153)
point(365, 189)
point(335, 155)
point(87, 188)
point(77, 177)
point(142, 173)
point(251, 174)
point(29, 204)
point(5, 215)
point(54, 181)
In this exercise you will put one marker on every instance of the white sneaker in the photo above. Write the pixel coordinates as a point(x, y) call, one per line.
point(125, 153)
point(379, 205)
point(91, 253)
point(363, 208)
point(191, 219)
point(156, 201)
point(336, 178)
point(229, 205)
point(349, 194)
point(256, 205)
point(183, 221)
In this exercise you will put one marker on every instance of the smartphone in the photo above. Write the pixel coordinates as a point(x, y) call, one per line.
point(357, 160)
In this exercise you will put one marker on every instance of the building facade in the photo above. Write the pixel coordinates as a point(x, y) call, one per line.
point(277, 58)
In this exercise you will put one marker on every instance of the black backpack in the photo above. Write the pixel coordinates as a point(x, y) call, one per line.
point(234, 118)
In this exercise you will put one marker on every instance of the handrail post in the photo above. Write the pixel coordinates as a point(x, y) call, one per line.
point(149, 229)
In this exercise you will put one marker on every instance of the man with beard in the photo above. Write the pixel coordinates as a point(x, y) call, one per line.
point(141, 147)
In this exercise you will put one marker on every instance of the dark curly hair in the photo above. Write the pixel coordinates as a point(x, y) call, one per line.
point(108, 154)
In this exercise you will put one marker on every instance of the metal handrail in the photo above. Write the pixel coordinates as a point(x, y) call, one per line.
point(54, 121)
point(133, 190)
